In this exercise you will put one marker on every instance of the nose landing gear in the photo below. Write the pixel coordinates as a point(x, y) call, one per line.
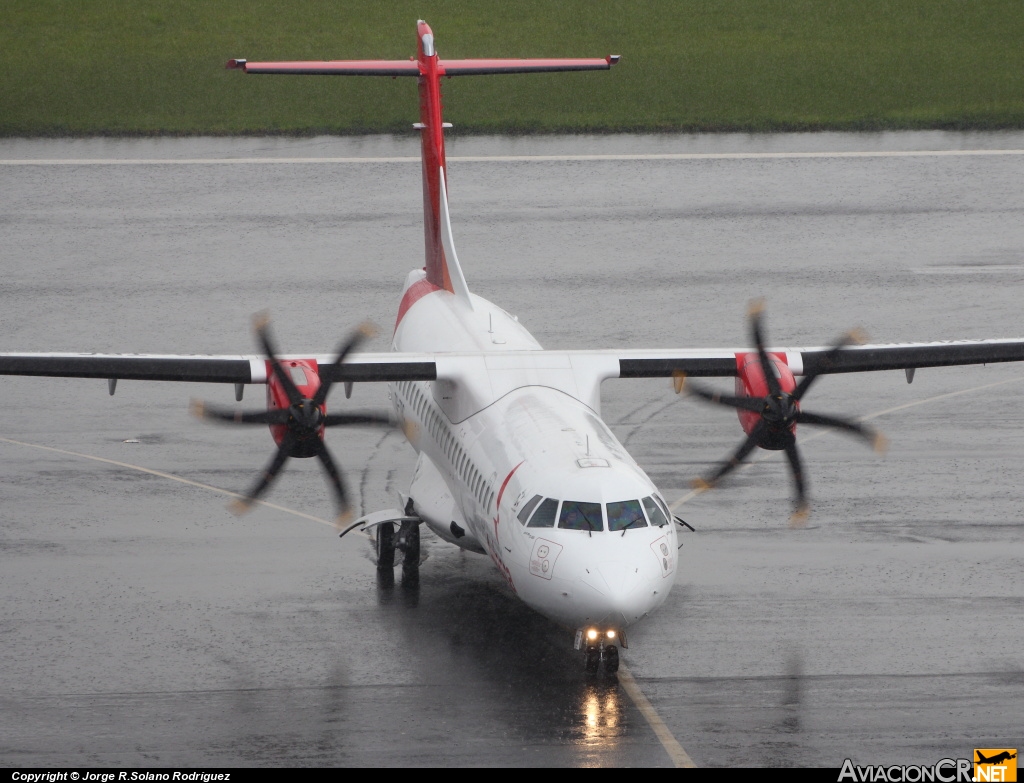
point(599, 648)
point(602, 653)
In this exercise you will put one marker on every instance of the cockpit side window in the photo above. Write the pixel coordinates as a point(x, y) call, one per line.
point(626, 514)
point(580, 515)
point(663, 506)
point(544, 516)
point(526, 510)
point(298, 376)
point(654, 512)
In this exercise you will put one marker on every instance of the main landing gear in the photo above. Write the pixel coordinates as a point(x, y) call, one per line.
point(406, 541)
point(599, 648)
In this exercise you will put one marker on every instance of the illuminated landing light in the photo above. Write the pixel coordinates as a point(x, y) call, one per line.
point(610, 634)
point(592, 634)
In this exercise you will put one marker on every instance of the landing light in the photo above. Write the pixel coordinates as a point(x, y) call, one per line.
point(610, 634)
point(592, 634)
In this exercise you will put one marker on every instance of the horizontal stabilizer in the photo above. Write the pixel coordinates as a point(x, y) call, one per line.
point(332, 67)
point(412, 68)
point(535, 65)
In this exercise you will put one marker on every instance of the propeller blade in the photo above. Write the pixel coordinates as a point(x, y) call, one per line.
point(733, 462)
point(334, 475)
point(802, 509)
point(753, 404)
point(242, 505)
point(201, 410)
point(261, 325)
point(853, 337)
point(873, 437)
point(365, 331)
point(754, 312)
point(355, 419)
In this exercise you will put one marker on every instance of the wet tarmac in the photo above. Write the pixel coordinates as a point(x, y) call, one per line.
point(144, 625)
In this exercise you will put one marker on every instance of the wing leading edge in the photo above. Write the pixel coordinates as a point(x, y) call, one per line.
point(390, 367)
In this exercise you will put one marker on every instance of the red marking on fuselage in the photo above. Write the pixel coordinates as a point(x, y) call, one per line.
point(497, 503)
point(496, 556)
point(412, 295)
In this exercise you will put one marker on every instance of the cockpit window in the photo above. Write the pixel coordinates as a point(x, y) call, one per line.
point(664, 507)
point(544, 516)
point(531, 504)
point(624, 515)
point(654, 512)
point(298, 376)
point(580, 515)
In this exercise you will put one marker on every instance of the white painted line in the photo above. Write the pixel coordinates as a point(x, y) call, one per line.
point(668, 156)
point(193, 161)
point(946, 396)
point(170, 476)
point(822, 433)
point(968, 269)
point(675, 751)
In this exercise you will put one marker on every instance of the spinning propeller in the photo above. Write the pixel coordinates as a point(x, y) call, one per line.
point(770, 420)
point(298, 424)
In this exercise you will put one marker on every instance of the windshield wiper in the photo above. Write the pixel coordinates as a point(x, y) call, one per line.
point(634, 523)
point(590, 525)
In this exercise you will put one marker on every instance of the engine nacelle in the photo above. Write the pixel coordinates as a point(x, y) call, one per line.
point(750, 382)
point(305, 374)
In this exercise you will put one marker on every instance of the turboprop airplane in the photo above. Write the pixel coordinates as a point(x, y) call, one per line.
point(513, 459)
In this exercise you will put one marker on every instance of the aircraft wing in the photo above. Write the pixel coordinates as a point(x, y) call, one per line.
point(805, 361)
point(631, 363)
point(210, 369)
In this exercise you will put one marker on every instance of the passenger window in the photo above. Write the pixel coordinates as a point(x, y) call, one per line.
point(525, 511)
point(654, 512)
point(580, 515)
point(545, 514)
point(624, 515)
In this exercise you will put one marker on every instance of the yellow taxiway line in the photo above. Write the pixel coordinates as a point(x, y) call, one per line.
point(668, 741)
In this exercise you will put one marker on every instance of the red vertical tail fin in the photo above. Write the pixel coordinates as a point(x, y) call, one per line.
point(431, 128)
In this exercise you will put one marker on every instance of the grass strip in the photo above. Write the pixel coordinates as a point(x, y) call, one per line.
point(130, 67)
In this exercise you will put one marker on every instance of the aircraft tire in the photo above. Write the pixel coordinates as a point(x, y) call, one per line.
point(593, 661)
point(386, 546)
point(410, 537)
point(611, 659)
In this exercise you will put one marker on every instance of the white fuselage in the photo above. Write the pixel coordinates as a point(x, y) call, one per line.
point(515, 462)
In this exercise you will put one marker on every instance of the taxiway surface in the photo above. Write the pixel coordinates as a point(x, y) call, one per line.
point(143, 625)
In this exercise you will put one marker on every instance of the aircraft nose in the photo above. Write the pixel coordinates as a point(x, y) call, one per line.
point(617, 592)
